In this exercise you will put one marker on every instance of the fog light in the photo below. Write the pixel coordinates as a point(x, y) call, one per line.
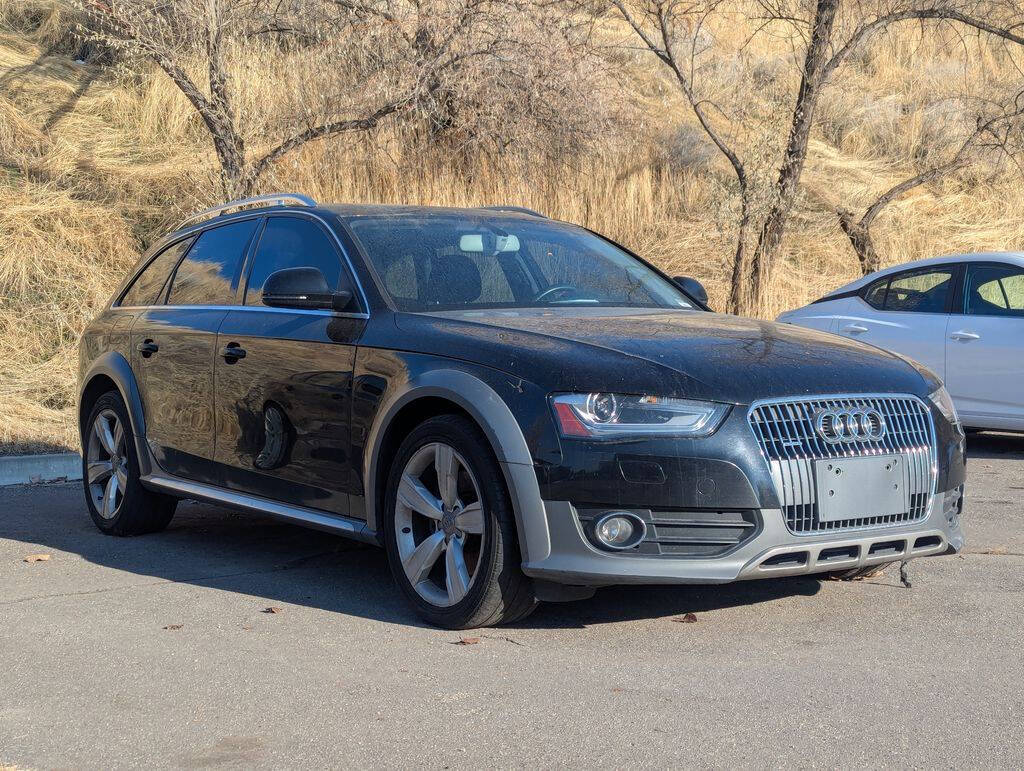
point(619, 530)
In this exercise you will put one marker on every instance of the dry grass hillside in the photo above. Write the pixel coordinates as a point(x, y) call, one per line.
point(96, 160)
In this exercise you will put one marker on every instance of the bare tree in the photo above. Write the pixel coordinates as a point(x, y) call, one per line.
point(1000, 134)
point(829, 32)
point(351, 64)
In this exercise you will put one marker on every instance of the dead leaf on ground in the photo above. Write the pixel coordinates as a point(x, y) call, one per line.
point(174, 626)
point(467, 641)
point(37, 558)
point(689, 618)
point(271, 609)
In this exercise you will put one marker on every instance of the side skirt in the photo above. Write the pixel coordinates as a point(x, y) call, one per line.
point(331, 523)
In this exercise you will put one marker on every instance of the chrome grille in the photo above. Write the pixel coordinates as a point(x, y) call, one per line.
point(785, 430)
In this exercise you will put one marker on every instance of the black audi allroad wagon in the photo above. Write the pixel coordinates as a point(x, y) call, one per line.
point(516, 409)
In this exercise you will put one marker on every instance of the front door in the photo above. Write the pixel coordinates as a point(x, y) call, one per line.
point(173, 346)
point(906, 313)
point(985, 348)
point(284, 379)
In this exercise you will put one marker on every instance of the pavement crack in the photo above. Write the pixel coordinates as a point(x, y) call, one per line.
point(994, 552)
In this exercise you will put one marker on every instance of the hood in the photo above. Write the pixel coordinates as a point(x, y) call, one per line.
point(728, 358)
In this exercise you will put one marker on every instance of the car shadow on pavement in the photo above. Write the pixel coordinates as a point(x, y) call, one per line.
point(995, 445)
point(272, 562)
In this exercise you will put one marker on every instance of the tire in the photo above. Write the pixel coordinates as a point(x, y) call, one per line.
point(111, 455)
point(857, 574)
point(425, 546)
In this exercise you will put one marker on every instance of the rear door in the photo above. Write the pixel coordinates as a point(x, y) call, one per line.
point(173, 350)
point(985, 348)
point(907, 313)
point(284, 405)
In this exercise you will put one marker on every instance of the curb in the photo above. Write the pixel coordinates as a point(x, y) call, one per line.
point(34, 469)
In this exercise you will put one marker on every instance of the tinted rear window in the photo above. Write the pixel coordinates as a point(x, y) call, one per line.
point(209, 273)
point(145, 290)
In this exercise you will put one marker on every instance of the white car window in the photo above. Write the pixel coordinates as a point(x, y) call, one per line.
point(995, 290)
point(921, 291)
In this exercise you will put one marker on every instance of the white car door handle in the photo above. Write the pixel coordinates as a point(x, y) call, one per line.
point(964, 335)
point(855, 329)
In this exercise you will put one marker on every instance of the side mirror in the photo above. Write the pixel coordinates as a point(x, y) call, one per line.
point(303, 288)
point(692, 287)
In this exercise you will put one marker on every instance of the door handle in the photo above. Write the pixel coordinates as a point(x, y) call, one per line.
point(147, 348)
point(964, 335)
point(855, 329)
point(233, 352)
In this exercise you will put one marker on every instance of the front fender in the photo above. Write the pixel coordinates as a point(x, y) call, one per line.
point(500, 427)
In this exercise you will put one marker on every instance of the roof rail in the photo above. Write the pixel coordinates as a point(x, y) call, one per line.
point(520, 209)
point(278, 198)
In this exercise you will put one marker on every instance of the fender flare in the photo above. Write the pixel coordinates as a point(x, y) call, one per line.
point(503, 433)
point(115, 366)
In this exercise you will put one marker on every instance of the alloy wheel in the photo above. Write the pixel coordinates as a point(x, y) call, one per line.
point(107, 466)
point(439, 524)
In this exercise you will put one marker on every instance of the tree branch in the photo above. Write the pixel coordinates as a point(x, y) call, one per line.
point(942, 13)
point(321, 131)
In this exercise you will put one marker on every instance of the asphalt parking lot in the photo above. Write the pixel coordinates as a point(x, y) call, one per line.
point(158, 651)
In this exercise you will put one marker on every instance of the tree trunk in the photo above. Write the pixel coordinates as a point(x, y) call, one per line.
point(860, 238)
point(739, 295)
point(786, 187)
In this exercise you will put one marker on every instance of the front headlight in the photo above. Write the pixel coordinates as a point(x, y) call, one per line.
point(944, 402)
point(606, 415)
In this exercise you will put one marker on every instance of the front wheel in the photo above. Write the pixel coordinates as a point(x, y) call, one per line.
point(450, 531)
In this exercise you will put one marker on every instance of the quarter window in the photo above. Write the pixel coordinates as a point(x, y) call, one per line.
point(291, 242)
point(209, 273)
point(995, 290)
point(147, 286)
point(875, 296)
point(922, 291)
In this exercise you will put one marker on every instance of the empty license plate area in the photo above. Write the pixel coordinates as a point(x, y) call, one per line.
point(851, 488)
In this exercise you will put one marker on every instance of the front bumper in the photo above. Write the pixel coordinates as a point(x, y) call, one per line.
point(774, 551)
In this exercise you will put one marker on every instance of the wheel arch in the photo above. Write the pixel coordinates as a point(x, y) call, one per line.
point(453, 391)
point(109, 372)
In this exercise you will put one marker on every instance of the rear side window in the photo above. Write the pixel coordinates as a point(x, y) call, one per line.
point(291, 242)
point(146, 288)
point(995, 290)
point(209, 273)
point(923, 291)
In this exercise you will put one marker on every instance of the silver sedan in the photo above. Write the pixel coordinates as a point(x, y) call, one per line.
point(961, 315)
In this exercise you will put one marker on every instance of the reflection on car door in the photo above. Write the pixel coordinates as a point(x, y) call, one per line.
point(907, 313)
point(284, 379)
point(173, 346)
point(985, 348)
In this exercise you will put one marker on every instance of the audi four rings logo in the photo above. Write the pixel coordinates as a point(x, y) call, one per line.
point(850, 425)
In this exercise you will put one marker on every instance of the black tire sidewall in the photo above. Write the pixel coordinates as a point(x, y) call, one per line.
point(479, 457)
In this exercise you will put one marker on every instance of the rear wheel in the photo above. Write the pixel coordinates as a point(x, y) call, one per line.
point(117, 501)
point(450, 531)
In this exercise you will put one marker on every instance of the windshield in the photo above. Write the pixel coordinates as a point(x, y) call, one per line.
point(451, 262)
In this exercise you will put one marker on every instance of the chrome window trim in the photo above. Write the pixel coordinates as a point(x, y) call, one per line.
point(364, 314)
point(933, 448)
point(252, 308)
